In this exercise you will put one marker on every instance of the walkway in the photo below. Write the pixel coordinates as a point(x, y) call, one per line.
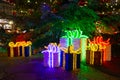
point(31, 68)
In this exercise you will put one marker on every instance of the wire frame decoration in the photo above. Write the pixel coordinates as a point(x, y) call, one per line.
point(20, 49)
point(52, 55)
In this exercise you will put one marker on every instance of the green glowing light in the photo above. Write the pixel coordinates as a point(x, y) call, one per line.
point(83, 49)
point(72, 34)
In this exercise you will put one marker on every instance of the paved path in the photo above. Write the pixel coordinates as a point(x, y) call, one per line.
point(31, 68)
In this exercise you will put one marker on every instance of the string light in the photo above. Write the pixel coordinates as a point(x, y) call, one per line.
point(70, 35)
point(99, 45)
point(18, 44)
point(52, 49)
point(70, 50)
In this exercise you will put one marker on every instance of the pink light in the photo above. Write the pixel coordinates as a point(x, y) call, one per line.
point(52, 59)
point(49, 60)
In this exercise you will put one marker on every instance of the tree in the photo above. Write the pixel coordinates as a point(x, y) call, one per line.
point(4, 37)
point(70, 16)
point(76, 17)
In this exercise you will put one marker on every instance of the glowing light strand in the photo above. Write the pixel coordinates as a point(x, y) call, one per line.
point(52, 49)
point(18, 44)
point(71, 34)
point(99, 45)
point(71, 50)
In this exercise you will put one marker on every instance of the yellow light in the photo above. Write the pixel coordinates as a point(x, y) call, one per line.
point(94, 47)
point(36, 2)
point(11, 22)
point(18, 44)
point(103, 12)
point(99, 45)
point(92, 57)
point(29, 42)
point(70, 50)
point(28, 1)
point(11, 45)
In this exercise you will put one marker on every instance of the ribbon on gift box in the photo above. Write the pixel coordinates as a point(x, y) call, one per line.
point(11, 44)
point(29, 43)
point(73, 34)
point(93, 48)
point(70, 50)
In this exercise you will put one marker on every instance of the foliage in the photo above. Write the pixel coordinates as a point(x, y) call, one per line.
point(3, 50)
point(52, 25)
point(81, 18)
point(4, 37)
point(112, 20)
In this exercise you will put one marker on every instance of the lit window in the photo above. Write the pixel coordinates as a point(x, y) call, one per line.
point(7, 26)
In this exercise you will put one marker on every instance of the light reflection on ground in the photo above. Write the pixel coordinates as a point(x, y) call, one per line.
point(19, 68)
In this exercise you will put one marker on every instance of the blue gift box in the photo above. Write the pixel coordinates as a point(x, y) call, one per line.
point(61, 58)
point(20, 50)
point(27, 51)
point(78, 61)
point(68, 62)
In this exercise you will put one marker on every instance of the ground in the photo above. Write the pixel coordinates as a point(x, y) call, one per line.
point(32, 68)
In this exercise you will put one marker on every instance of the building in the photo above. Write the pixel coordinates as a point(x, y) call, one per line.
point(6, 8)
point(7, 25)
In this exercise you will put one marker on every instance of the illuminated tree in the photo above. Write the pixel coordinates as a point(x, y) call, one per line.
point(76, 17)
point(70, 17)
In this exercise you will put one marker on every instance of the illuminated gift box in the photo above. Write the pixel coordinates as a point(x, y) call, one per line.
point(97, 58)
point(10, 49)
point(82, 44)
point(52, 56)
point(13, 50)
point(94, 58)
point(51, 59)
point(105, 48)
point(19, 49)
point(68, 62)
point(94, 55)
point(83, 47)
point(77, 39)
point(88, 56)
point(64, 42)
point(75, 57)
point(97, 53)
point(61, 58)
point(108, 53)
point(77, 43)
point(28, 49)
point(71, 58)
